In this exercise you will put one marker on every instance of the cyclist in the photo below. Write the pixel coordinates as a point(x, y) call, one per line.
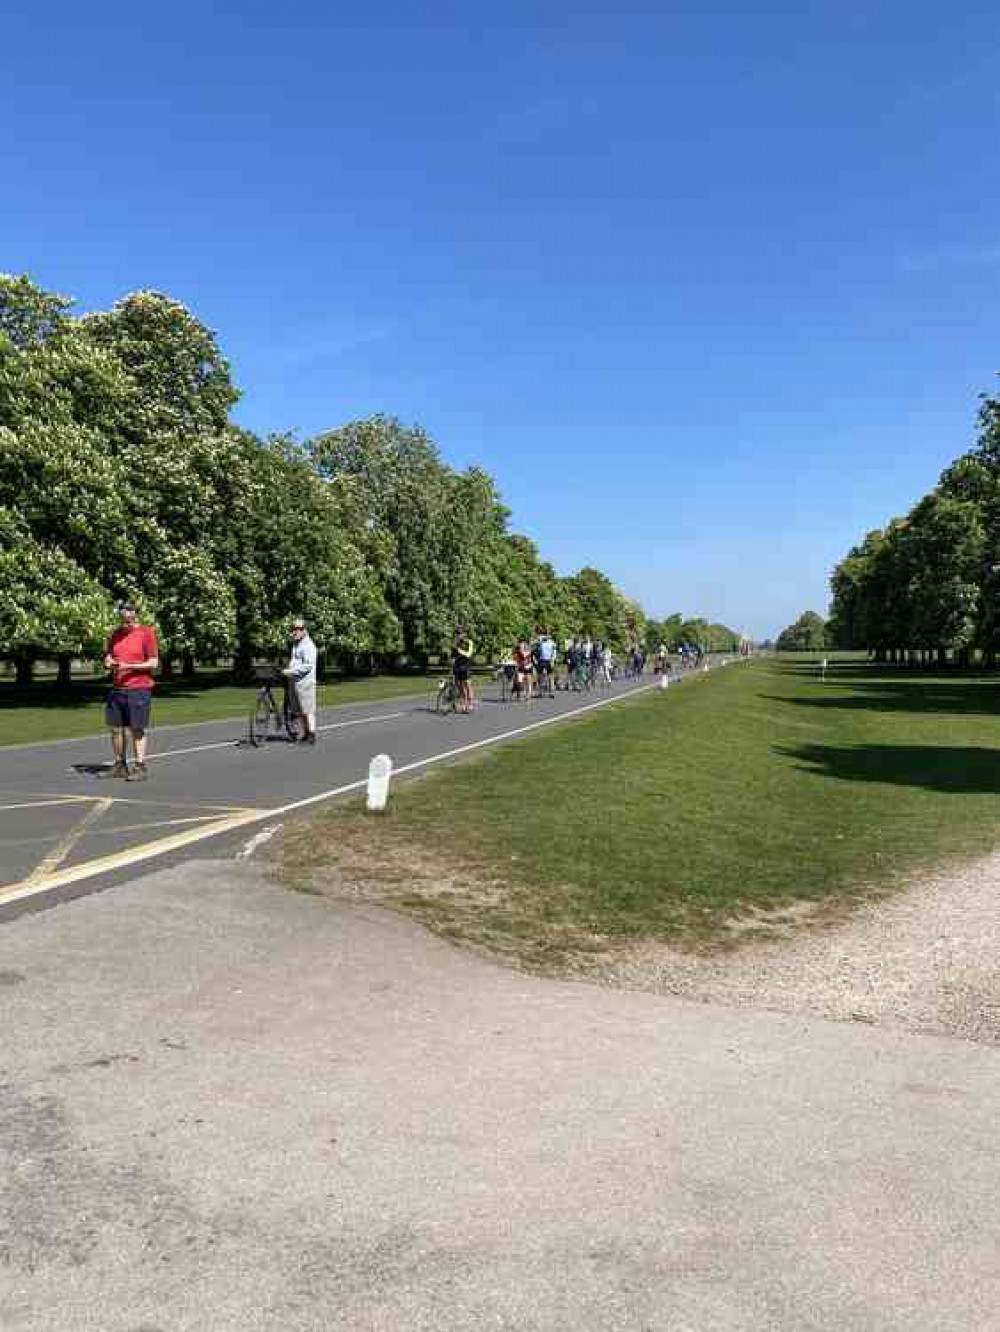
point(462, 653)
point(301, 676)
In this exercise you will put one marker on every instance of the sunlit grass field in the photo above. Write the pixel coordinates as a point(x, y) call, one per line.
point(754, 788)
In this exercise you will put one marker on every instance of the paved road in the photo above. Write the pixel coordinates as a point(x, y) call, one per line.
point(225, 1107)
point(64, 830)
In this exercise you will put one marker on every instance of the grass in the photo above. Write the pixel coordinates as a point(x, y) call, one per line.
point(41, 712)
point(692, 817)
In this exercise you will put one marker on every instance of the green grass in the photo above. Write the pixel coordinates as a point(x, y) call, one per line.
point(736, 796)
point(40, 712)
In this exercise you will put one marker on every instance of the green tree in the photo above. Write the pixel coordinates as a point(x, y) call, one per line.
point(807, 634)
point(49, 607)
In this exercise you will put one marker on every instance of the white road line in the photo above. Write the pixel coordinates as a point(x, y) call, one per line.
point(231, 744)
point(62, 849)
point(124, 859)
point(40, 804)
point(360, 721)
point(236, 718)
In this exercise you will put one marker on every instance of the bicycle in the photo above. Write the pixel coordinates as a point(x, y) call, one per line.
point(448, 696)
point(269, 721)
point(504, 675)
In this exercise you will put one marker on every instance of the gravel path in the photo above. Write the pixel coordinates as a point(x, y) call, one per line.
point(927, 960)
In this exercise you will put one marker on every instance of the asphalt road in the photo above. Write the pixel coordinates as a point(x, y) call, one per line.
point(227, 1107)
point(65, 830)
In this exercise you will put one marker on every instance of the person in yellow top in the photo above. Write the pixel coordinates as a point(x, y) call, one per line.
point(461, 666)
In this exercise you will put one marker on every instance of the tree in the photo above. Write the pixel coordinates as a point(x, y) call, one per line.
point(48, 604)
point(180, 382)
point(807, 634)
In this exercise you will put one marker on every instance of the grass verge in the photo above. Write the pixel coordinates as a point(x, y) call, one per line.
point(700, 817)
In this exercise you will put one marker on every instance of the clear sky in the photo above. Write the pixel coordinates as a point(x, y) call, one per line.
point(711, 289)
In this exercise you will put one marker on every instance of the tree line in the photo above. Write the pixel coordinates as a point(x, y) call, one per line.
point(123, 475)
point(926, 587)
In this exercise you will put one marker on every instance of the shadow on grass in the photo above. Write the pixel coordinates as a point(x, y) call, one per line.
point(863, 687)
point(952, 770)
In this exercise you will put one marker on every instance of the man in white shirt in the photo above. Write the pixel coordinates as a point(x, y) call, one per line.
point(301, 675)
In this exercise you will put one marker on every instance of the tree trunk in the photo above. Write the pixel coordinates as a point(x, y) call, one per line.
point(242, 664)
point(63, 672)
point(166, 668)
point(942, 656)
point(187, 666)
point(24, 669)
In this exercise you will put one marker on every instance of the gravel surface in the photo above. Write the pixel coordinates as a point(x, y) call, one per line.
point(927, 960)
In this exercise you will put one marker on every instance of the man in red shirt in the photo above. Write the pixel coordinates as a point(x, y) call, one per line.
point(132, 656)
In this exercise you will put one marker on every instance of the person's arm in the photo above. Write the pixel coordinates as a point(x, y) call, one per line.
point(152, 662)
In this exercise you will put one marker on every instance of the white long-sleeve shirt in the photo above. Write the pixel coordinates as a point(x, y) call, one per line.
point(302, 666)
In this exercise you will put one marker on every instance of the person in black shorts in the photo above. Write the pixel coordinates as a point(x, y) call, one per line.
point(461, 667)
point(132, 657)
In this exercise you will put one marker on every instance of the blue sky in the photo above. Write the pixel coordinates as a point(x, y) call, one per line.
point(710, 289)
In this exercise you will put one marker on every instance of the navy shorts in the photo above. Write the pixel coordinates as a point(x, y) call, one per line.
point(128, 707)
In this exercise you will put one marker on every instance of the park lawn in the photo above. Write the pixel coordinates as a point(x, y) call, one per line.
point(39, 712)
point(694, 816)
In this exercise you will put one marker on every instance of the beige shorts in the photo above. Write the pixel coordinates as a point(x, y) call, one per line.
point(306, 694)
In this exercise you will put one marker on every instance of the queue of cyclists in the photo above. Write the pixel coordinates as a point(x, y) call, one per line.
point(537, 667)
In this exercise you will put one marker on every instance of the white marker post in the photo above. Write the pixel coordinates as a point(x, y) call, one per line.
point(379, 772)
point(663, 680)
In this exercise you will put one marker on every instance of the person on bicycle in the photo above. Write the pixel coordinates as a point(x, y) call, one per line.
point(300, 673)
point(462, 653)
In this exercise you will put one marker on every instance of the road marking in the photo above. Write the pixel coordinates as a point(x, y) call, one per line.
point(258, 839)
point(193, 726)
point(231, 744)
point(40, 804)
point(62, 849)
point(163, 846)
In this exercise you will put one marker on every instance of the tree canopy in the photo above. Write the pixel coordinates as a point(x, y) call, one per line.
point(123, 474)
point(929, 583)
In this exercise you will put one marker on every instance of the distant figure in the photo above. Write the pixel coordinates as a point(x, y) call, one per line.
point(822, 669)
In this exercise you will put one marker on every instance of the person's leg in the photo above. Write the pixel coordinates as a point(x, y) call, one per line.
point(118, 745)
point(115, 719)
point(138, 724)
point(306, 697)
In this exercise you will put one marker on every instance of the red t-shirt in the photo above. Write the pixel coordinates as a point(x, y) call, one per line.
point(135, 644)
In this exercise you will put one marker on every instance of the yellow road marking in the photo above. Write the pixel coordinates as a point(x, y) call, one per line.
point(62, 849)
point(118, 859)
point(144, 827)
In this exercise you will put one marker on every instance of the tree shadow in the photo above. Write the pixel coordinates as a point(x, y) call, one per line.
point(950, 769)
point(861, 686)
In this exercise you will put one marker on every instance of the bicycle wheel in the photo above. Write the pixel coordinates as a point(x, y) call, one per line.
point(260, 721)
point(446, 697)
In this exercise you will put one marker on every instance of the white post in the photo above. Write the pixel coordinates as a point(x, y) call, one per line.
point(663, 680)
point(379, 772)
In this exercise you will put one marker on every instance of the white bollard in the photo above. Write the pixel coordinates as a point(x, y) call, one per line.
point(379, 772)
point(663, 682)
